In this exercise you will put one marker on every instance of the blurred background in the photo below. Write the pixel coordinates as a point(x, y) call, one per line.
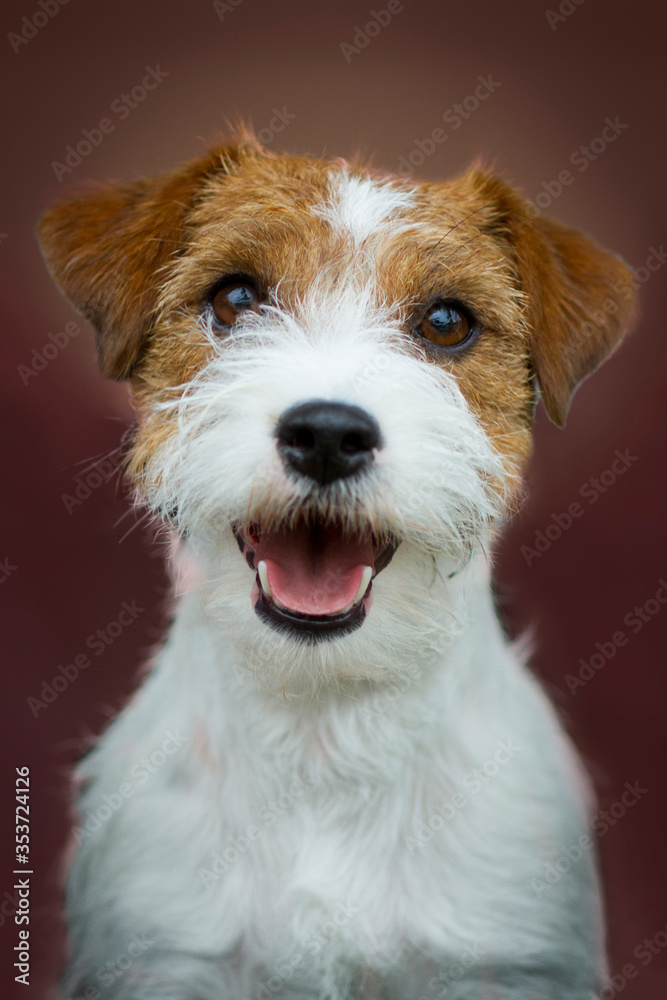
point(532, 90)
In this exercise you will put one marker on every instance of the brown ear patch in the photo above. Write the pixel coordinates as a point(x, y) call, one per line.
point(581, 303)
point(579, 298)
point(107, 250)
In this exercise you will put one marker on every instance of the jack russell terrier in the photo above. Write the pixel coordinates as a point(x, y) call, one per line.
point(338, 780)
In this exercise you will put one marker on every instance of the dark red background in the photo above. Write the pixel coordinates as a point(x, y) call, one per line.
point(73, 570)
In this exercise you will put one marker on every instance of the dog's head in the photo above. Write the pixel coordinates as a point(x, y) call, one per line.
point(335, 371)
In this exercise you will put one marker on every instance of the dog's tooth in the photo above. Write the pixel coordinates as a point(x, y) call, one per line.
point(365, 583)
point(264, 578)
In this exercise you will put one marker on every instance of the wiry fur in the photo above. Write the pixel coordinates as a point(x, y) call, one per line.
point(220, 466)
point(319, 827)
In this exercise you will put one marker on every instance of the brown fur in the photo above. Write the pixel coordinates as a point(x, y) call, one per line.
point(138, 261)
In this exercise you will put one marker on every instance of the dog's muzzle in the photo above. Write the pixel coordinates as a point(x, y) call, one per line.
point(314, 579)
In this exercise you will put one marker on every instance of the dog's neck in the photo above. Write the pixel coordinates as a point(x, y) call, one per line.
point(378, 720)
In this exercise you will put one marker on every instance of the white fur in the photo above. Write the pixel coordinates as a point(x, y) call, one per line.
point(283, 849)
point(361, 207)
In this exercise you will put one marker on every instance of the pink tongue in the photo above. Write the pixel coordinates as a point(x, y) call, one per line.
point(316, 571)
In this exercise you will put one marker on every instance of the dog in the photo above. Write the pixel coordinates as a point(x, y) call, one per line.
point(338, 779)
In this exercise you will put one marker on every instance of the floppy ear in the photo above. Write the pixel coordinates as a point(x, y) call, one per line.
point(579, 298)
point(106, 251)
point(580, 302)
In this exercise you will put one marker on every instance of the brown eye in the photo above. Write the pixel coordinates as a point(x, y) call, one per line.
point(232, 299)
point(447, 325)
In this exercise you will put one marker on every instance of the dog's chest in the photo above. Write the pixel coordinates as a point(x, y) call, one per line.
point(361, 850)
point(324, 864)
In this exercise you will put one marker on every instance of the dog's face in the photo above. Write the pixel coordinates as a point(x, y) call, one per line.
point(335, 375)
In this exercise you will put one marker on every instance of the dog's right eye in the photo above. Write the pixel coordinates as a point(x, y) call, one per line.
point(233, 298)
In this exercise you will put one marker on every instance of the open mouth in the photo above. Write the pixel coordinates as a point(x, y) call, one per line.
point(313, 580)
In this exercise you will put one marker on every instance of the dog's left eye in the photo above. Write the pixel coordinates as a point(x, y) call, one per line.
point(232, 299)
point(448, 325)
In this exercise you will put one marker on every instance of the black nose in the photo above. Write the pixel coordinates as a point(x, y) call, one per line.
point(327, 441)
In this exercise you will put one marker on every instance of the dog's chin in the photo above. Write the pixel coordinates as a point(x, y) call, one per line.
point(313, 580)
point(409, 615)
